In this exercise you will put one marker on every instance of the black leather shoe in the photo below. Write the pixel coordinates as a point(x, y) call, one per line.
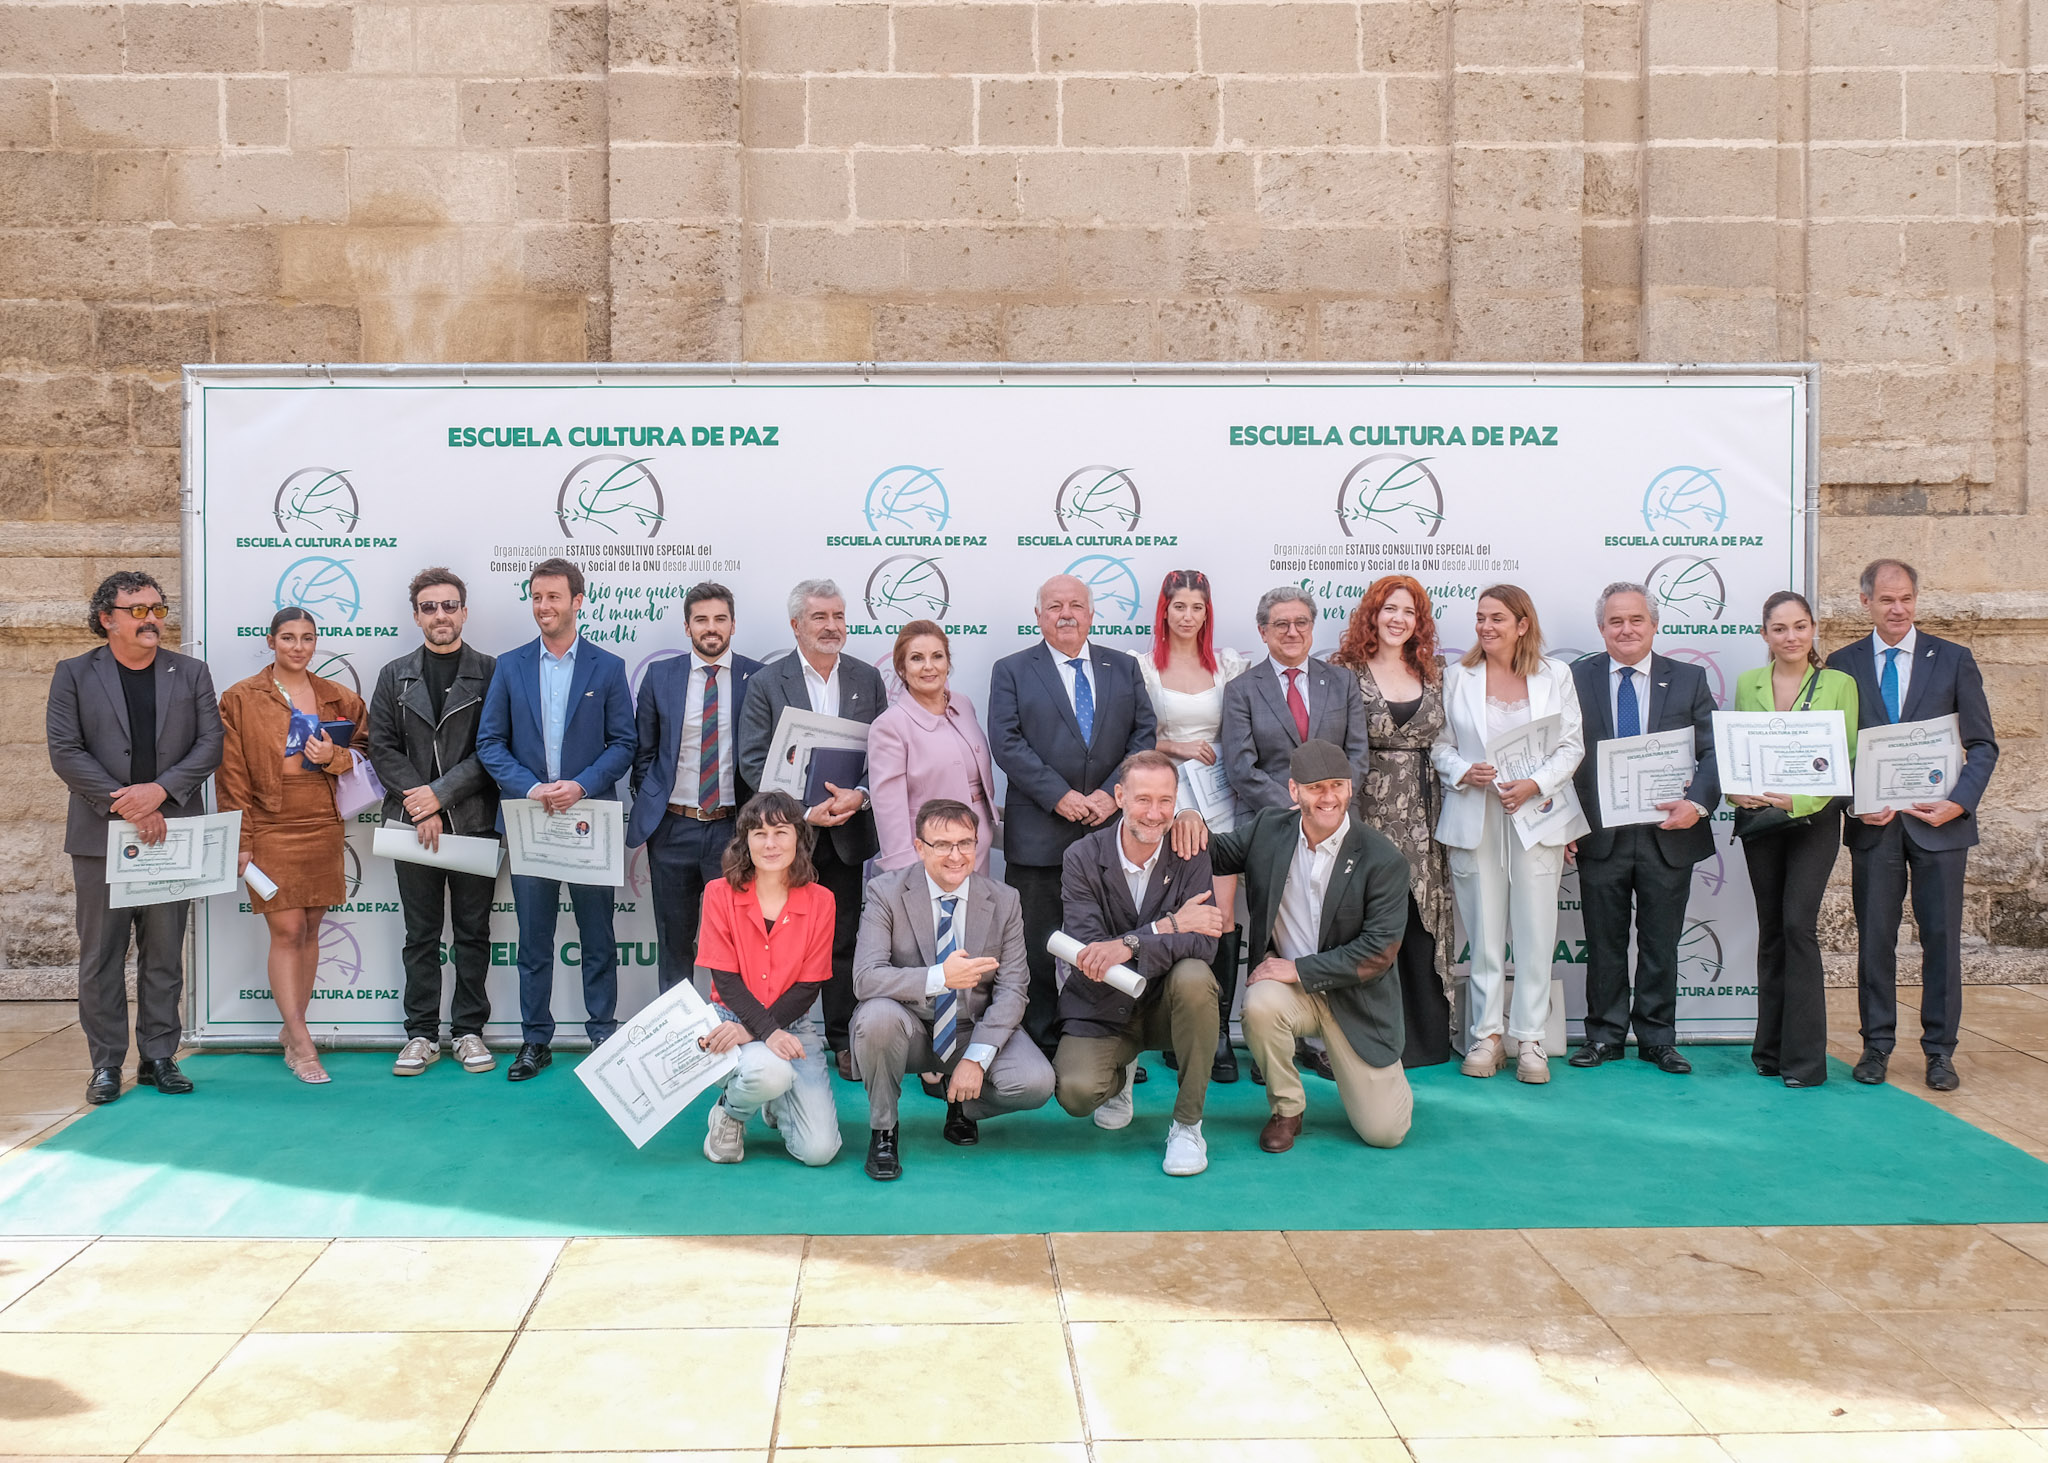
point(1941, 1074)
point(1138, 1075)
point(1224, 1068)
point(1593, 1053)
point(882, 1161)
point(1313, 1059)
point(526, 1066)
point(960, 1129)
point(1258, 1077)
point(1168, 1060)
point(162, 1073)
point(105, 1085)
point(1768, 1069)
point(1666, 1059)
point(1795, 1082)
point(1870, 1067)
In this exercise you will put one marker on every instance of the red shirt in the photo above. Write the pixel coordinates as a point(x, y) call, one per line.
point(733, 936)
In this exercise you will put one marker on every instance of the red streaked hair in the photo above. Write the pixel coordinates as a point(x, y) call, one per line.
point(1362, 636)
point(1205, 638)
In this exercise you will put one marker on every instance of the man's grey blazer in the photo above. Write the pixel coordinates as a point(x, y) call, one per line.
point(87, 726)
point(899, 945)
point(1259, 735)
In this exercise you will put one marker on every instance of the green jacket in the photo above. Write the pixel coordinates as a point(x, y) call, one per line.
point(1365, 913)
point(1836, 692)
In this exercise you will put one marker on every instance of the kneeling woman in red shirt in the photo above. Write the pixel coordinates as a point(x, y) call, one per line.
point(766, 938)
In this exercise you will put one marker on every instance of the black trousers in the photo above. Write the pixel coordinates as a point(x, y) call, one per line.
point(1425, 1009)
point(1038, 890)
point(158, 931)
point(1633, 884)
point(1788, 872)
point(421, 893)
point(1879, 880)
point(683, 855)
point(844, 881)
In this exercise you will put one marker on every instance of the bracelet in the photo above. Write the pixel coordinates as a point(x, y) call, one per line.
point(1174, 920)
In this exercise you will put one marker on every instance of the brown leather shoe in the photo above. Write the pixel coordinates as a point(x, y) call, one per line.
point(845, 1065)
point(1279, 1133)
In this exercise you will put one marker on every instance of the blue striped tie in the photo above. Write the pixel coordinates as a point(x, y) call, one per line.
point(945, 1015)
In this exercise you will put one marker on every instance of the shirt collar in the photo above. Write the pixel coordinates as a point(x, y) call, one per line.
point(937, 893)
point(1280, 671)
point(724, 662)
point(1061, 660)
point(1641, 667)
point(1331, 844)
point(1131, 868)
point(567, 657)
point(811, 672)
point(1906, 644)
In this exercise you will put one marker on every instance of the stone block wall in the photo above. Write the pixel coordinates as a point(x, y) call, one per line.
point(1849, 181)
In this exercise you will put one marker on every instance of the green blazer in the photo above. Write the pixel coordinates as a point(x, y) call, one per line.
point(1836, 692)
point(1365, 913)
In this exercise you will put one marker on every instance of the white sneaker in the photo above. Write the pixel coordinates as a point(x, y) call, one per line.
point(473, 1054)
point(1116, 1113)
point(1187, 1151)
point(1532, 1065)
point(726, 1140)
point(415, 1057)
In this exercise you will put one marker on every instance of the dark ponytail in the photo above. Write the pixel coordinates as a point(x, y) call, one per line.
point(1793, 596)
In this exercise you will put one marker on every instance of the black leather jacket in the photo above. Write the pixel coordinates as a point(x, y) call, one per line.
point(407, 748)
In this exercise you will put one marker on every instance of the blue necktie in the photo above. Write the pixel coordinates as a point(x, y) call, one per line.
point(1888, 683)
point(1084, 701)
point(945, 1018)
point(1628, 720)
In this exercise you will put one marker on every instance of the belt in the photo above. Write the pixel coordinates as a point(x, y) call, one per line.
point(702, 815)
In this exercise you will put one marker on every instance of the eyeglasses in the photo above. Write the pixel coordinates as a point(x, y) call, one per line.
point(439, 606)
point(145, 612)
point(950, 850)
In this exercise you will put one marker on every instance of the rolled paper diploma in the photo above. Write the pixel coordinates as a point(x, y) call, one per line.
point(260, 884)
point(1065, 947)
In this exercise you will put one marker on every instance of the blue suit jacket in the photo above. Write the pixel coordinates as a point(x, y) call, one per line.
point(1035, 739)
point(1945, 680)
point(658, 739)
point(597, 740)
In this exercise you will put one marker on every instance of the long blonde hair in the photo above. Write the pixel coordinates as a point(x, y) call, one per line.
point(1528, 658)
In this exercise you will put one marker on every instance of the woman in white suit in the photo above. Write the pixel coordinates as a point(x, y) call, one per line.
point(1502, 889)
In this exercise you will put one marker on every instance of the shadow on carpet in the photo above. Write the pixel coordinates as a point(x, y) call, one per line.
point(255, 1153)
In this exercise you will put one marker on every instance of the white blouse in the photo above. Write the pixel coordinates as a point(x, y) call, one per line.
point(1195, 716)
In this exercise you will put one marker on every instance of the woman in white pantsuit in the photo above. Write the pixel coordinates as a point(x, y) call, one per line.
point(1502, 888)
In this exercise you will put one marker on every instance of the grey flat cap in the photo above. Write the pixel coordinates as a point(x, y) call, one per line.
point(1319, 761)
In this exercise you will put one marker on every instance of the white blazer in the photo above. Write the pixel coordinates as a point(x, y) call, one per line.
point(1462, 742)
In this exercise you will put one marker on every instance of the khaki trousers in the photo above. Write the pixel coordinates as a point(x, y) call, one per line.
point(1089, 1070)
point(1377, 1100)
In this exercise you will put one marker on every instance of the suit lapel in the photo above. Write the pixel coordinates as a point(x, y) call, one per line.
point(1055, 677)
point(165, 688)
point(1268, 685)
point(1927, 648)
point(1660, 690)
point(1278, 856)
point(1342, 875)
point(1098, 661)
point(110, 682)
point(923, 926)
point(1318, 675)
point(980, 909)
point(1603, 708)
point(1473, 692)
point(529, 679)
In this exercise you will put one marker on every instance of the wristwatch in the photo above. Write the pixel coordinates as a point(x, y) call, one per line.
point(1131, 943)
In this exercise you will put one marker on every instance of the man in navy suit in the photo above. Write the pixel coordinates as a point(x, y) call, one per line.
point(1062, 716)
point(557, 728)
point(686, 782)
point(1641, 873)
point(1904, 675)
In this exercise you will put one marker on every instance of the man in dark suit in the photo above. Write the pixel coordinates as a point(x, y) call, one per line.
point(1062, 716)
point(558, 728)
point(818, 678)
point(134, 731)
point(686, 782)
point(1641, 872)
point(1904, 675)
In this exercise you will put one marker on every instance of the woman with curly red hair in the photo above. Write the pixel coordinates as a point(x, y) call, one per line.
point(1390, 645)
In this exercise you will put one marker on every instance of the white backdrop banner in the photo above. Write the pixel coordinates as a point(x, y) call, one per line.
point(950, 496)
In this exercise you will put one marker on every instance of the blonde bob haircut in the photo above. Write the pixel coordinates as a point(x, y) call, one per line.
point(1529, 648)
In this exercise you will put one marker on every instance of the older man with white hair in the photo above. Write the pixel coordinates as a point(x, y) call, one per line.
point(1062, 716)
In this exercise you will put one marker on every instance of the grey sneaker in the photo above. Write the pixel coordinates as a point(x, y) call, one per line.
point(1116, 1113)
point(416, 1056)
point(473, 1054)
point(726, 1139)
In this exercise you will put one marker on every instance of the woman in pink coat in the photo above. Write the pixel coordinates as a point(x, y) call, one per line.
point(927, 745)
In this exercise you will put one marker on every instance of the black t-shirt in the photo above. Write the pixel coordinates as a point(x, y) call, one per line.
point(437, 669)
point(138, 688)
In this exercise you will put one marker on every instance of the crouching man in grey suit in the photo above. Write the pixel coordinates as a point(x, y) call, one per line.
point(134, 731)
point(930, 1001)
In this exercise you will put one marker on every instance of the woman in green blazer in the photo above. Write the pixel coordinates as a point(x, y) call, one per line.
point(1790, 861)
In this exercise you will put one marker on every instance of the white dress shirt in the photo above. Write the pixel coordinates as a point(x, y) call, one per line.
point(1067, 673)
point(1300, 922)
point(935, 979)
point(1905, 662)
point(1138, 876)
point(1642, 670)
point(690, 745)
point(824, 690)
point(1307, 698)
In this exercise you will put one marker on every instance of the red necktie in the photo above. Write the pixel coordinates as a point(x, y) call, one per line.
point(1296, 705)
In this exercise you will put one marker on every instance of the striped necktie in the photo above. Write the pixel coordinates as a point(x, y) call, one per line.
point(707, 756)
point(945, 1007)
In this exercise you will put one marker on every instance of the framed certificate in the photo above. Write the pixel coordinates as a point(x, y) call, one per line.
point(583, 844)
point(1783, 751)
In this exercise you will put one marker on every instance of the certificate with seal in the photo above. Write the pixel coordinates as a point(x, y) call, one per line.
point(652, 1067)
point(583, 844)
point(1913, 762)
point(1205, 787)
point(131, 861)
point(1637, 773)
point(219, 838)
point(1803, 752)
point(1515, 755)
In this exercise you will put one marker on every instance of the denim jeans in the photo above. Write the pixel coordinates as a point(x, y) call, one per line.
point(797, 1096)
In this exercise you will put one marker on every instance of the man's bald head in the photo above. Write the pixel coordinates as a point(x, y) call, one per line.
point(1066, 612)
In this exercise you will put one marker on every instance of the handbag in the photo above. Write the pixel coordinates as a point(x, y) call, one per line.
point(357, 789)
point(1763, 822)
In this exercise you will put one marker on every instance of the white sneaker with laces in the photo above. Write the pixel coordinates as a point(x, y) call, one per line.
point(1116, 1113)
point(415, 1057)
point(1187, 1151)
point(1532, 1065)
point(726, 1140)
point(473, 1054)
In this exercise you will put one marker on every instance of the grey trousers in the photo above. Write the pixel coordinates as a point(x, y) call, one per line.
point(889, 1041)
point(103, 935)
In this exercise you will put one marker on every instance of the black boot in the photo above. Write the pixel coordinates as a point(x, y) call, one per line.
point(1224, 1068)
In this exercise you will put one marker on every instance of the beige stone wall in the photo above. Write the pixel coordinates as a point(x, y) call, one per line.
point(1842, 180)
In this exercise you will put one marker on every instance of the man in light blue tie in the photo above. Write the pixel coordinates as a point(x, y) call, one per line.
point(940, 974)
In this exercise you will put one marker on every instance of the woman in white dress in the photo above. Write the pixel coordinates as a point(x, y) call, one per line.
point(1503, 682)
point(1185, 675)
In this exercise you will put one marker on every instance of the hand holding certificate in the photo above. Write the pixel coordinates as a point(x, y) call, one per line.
point(131, 861)
point(1801, 752)
point(797, 735)
point(1912, 762)
point(216, 840)
point(1516, 755)
point(1207, 785)
point(1635, 774)
point(583, 844)
point(653, 1066)
point(400, 841)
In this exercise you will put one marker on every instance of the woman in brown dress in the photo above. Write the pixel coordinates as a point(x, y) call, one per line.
point(1390, 645)
point(278, 768)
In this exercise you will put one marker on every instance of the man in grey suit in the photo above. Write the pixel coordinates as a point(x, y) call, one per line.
point(134, 731)
point(932, 997)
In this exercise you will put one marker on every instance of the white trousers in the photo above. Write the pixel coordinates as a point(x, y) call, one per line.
point(1504, 890)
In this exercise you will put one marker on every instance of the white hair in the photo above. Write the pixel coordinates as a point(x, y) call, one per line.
point(809, 589)
point(1038, 600)
point(1622, 586)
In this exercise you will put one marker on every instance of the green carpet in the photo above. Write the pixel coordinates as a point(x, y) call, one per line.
point(253, 1152)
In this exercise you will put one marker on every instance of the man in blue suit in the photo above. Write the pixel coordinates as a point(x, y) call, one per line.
point(1062, 716)
point(686, 782)
point(1903, 675)
point(557, 728)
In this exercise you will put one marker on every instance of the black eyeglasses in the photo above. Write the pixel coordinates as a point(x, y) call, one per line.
point(145, 612)
point(438, 606)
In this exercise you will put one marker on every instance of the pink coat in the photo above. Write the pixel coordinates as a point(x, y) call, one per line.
point(914, 756)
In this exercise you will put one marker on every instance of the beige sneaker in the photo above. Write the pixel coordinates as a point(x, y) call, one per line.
point(415, 1057)
point(473, 1054)
point(1482, 1058)
point(726, 1140)
point(1532, 1064)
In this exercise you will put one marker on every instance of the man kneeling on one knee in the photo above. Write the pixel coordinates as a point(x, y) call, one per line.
point(1328, 898)
point(1131, 899)
point(940, 975)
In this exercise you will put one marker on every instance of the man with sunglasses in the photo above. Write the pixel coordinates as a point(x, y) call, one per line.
point(134, 731)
